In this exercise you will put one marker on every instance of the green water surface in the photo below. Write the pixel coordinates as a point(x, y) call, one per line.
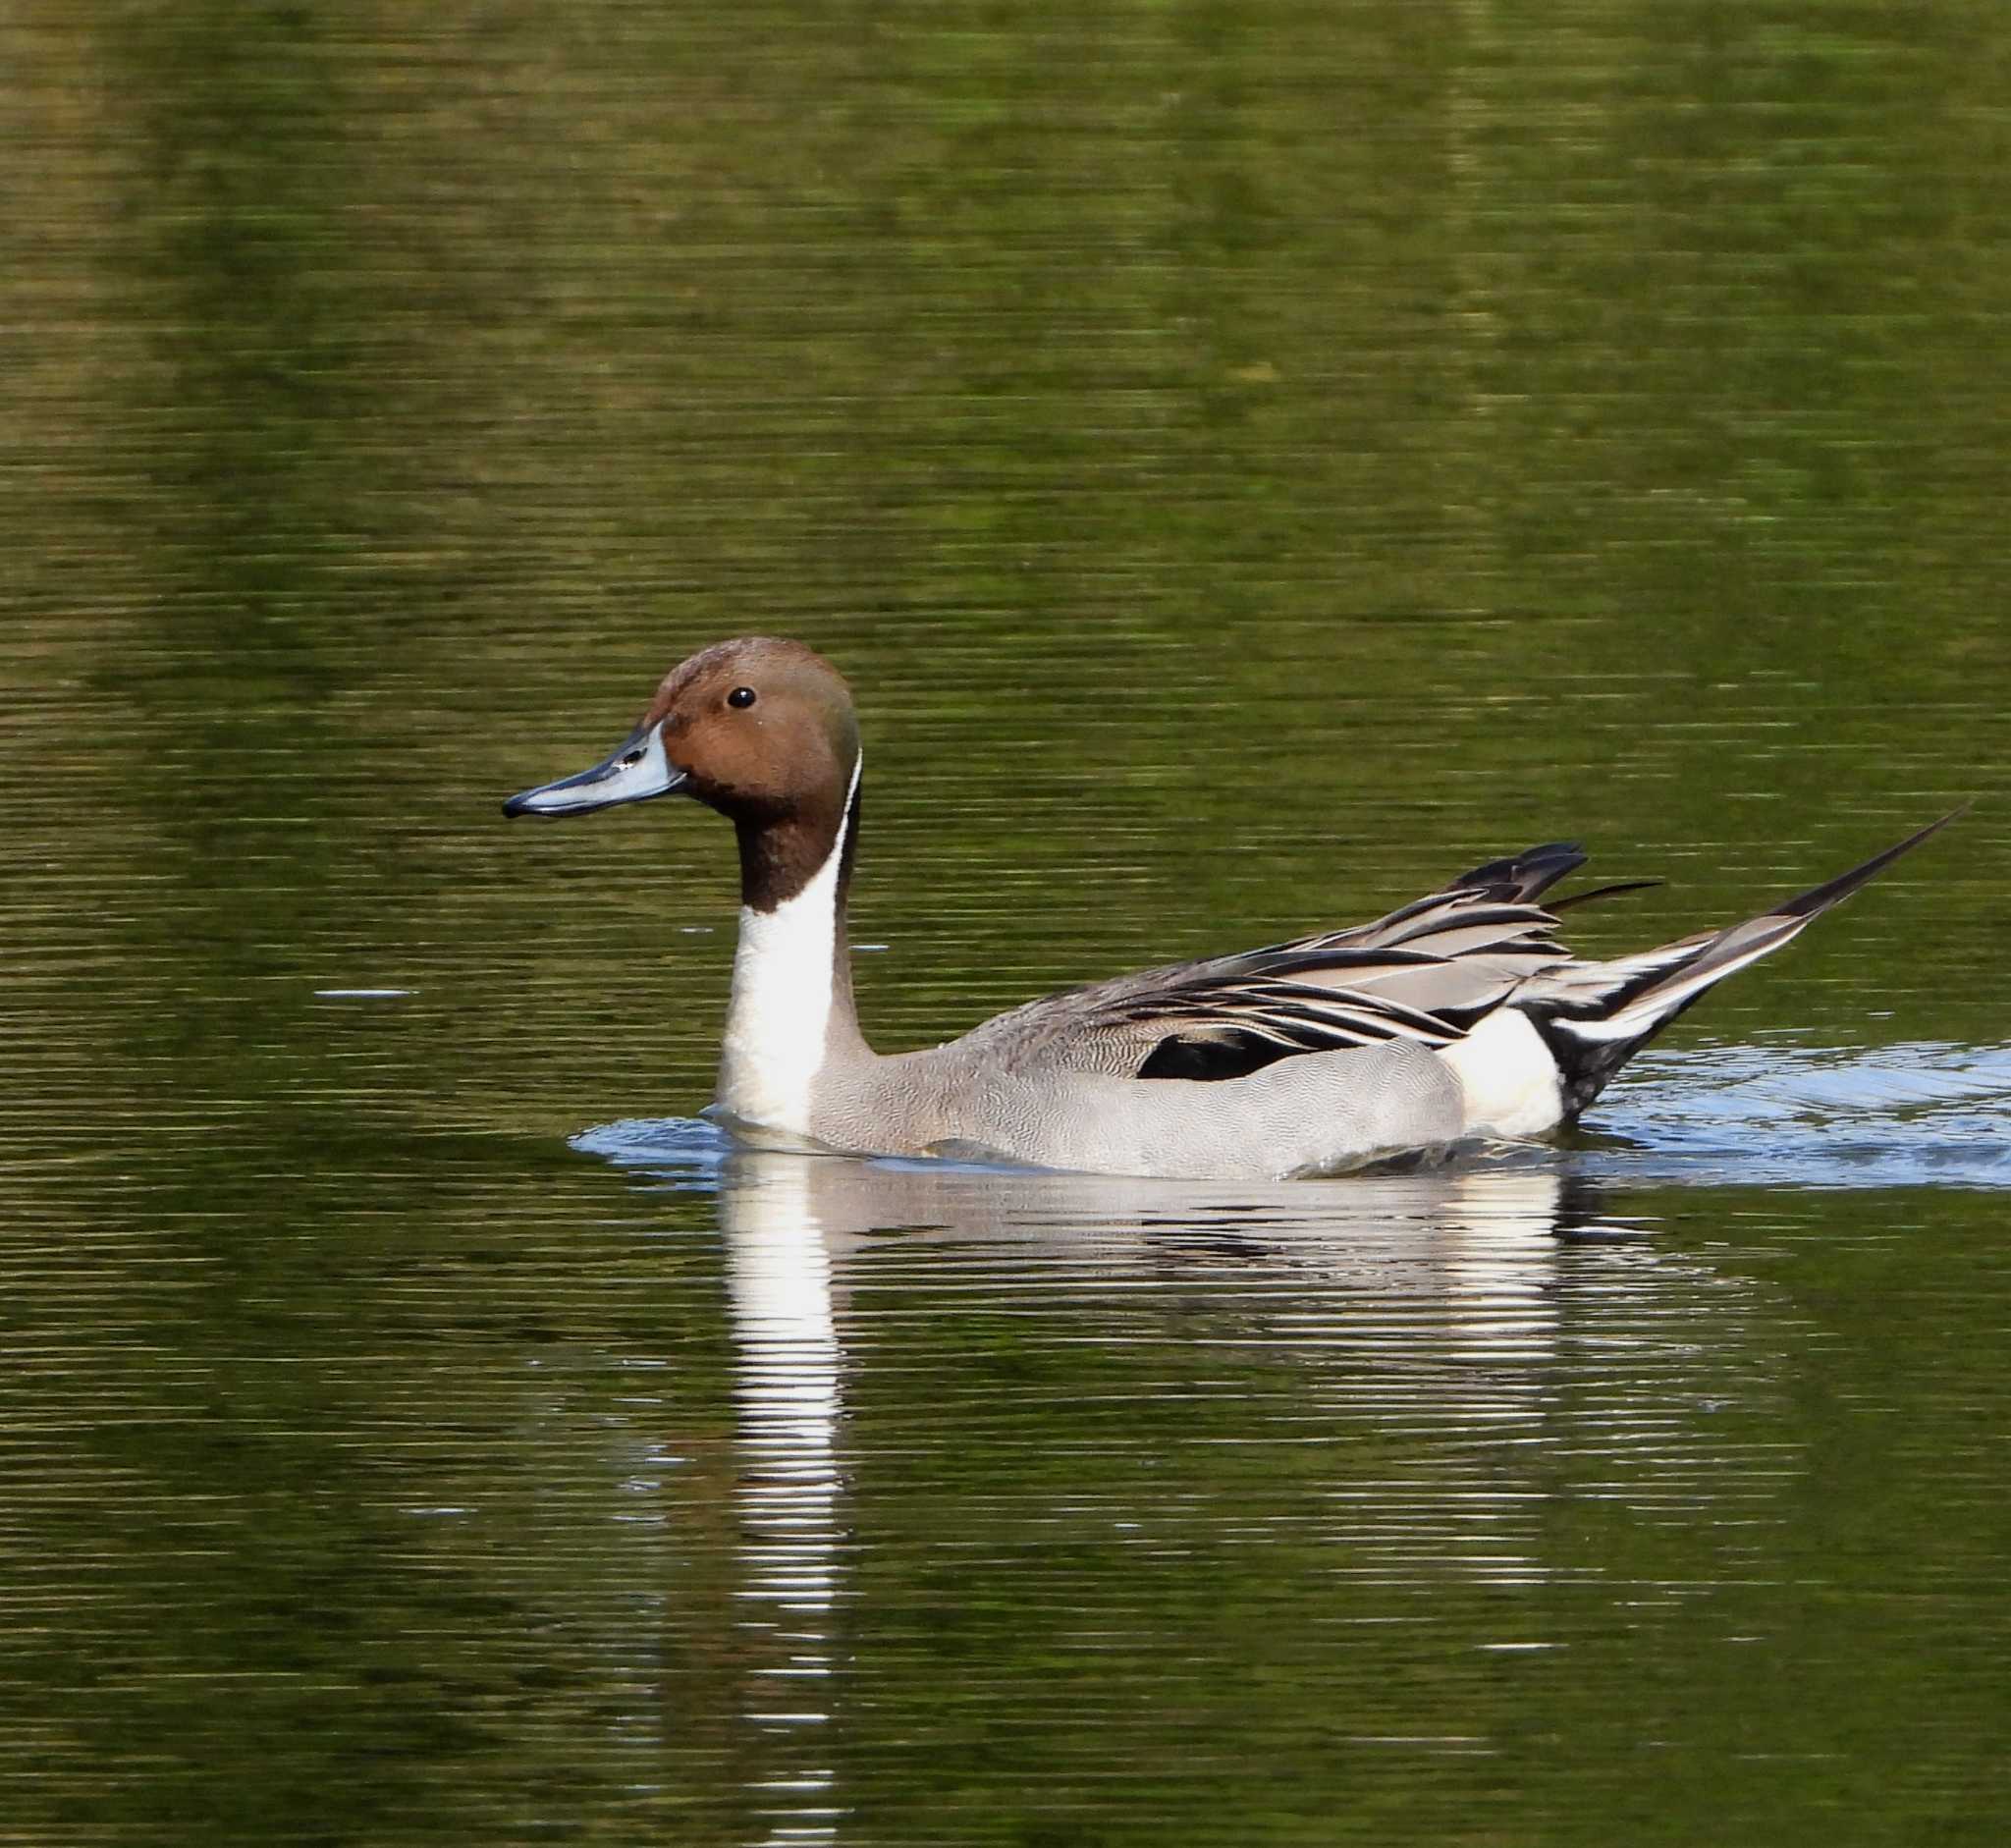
point(1254, 458)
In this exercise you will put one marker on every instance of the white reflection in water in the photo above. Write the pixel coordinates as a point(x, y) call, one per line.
point(1499, 1239)
point(1472, 1352)
point(1461, 1263)
point(788, 1396)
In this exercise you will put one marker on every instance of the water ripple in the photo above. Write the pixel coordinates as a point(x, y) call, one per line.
point(1916, 1113)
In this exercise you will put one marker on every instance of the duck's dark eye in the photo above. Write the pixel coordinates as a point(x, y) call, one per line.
point(741, 696)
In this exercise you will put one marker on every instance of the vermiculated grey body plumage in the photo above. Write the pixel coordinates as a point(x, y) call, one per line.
point(1459, 1015)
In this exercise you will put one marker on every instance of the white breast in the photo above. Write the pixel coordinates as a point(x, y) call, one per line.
point(780, 1008)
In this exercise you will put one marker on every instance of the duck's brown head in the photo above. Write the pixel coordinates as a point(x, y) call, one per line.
point(761, 729)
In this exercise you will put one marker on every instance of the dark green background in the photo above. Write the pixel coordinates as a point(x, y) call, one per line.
point(1253, 459)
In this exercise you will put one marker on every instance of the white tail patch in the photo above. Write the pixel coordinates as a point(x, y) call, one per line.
point(780, 1013)
point(1509, 1075)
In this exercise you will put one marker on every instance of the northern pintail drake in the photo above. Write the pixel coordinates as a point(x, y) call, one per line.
point(1458, 1015)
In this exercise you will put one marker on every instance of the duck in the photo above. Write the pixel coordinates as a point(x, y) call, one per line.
point(1455, 1020)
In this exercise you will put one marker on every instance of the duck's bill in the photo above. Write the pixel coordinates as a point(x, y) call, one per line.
point(635, 771)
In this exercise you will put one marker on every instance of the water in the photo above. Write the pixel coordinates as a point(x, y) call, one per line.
point(1253, 461)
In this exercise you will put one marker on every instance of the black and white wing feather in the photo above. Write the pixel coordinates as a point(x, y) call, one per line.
point(1431, 972)
point(1426, 972)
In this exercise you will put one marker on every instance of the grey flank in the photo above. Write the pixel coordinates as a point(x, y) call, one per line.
point(1460, 1015)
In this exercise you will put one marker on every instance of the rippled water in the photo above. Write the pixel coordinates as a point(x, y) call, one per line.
point(1253, 461)
point(1522, 1484)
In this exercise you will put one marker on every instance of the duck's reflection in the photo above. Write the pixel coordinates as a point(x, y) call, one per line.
point(786, 1396)
point(787, 1391)
point(1470, 1254)
point(1465, 1377)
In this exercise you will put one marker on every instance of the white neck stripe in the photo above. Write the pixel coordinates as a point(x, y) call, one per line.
point(779, 1016)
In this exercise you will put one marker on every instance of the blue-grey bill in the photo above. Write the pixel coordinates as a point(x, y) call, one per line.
point(636, 769)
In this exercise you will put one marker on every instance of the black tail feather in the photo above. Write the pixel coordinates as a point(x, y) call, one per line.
point(1589, 1037)
point(1819, 899)
point(1597, 892)
point(1521, 877)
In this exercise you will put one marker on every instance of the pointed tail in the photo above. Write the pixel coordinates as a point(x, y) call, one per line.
point(1594, 1017)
